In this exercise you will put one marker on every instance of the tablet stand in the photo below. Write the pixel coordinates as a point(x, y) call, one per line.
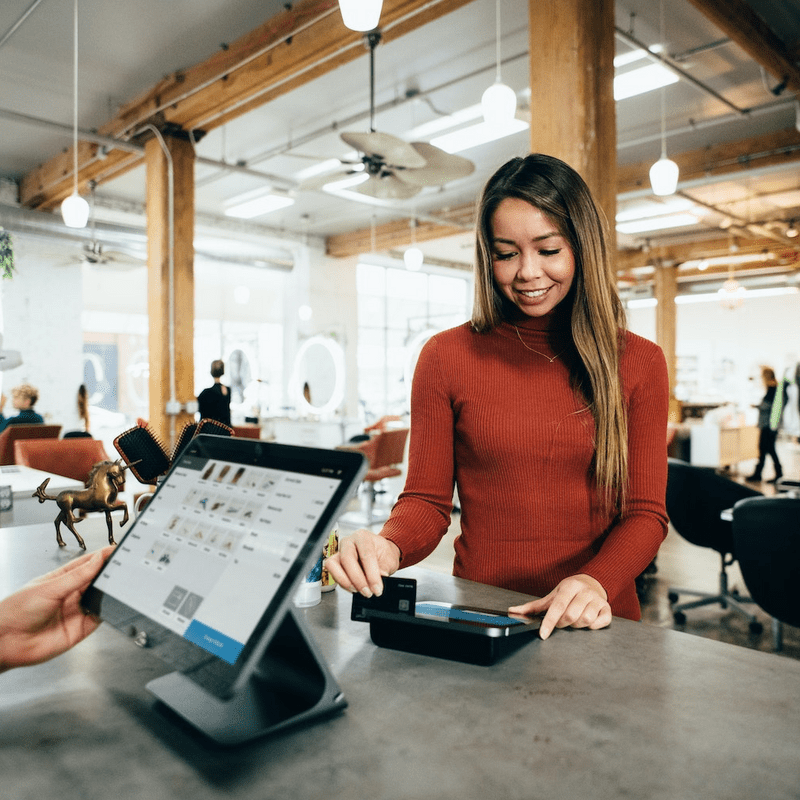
point(291, 685)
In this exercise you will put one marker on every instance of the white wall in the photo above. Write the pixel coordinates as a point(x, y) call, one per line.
point(42, 306)
point(725, 346)
point(41, 317)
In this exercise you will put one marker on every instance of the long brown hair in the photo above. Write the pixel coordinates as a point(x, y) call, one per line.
point(596, 314)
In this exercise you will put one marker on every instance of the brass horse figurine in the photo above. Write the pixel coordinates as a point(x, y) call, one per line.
point(105, 481)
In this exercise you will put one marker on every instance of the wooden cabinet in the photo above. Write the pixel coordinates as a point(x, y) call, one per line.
point(715, 446)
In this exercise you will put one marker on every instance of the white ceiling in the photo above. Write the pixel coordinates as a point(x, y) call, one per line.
point(126, 48)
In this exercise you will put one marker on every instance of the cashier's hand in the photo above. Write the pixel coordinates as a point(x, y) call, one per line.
point(44, 618)
point(577, 602)
point(363, 560)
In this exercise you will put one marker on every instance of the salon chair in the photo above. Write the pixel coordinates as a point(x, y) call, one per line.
point(384, 452)
point(696, 497)
point(766, 538)
point(72, 458)
point(14, 433)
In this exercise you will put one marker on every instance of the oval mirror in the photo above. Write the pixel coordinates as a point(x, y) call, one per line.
point(317, 383)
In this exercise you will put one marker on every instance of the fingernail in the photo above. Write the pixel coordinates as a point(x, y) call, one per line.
point(366, 592)
point(377, 589)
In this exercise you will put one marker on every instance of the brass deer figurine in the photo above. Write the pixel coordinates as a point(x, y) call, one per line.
point(105, 481)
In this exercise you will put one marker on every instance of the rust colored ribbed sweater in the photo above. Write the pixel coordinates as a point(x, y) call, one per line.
point(503, 423)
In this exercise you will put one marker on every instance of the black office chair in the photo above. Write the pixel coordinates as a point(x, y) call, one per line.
point(696, 497)
point(766, 538)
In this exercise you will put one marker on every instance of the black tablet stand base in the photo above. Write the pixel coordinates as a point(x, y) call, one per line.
point(292, 685)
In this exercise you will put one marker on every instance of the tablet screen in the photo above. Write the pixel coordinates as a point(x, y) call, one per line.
point(222, 542)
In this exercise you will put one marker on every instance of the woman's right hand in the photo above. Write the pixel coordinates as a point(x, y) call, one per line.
point(363, 560)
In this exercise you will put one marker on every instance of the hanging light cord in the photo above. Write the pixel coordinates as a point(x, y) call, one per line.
point(497, 37)
point(663, 88)
point(75, 102)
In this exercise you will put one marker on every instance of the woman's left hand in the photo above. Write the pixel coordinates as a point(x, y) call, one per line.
point(577, 602)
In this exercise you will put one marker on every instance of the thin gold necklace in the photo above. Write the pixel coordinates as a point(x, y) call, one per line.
point(551, 360)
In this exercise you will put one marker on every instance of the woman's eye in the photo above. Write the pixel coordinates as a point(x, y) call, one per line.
point(549, 252)
point(504, 256)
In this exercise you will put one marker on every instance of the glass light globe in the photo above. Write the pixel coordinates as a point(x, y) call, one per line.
point(664, 176)
point(731, 294)
point(75, 211)
point(413, 258)
point(499, 103)
point(361, 15)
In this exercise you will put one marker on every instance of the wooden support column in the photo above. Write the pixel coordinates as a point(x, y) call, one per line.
point(665, 289)
point(573, 116)
point(170, 286)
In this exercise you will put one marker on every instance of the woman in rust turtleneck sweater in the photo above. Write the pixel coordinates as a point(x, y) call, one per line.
point(545, 413)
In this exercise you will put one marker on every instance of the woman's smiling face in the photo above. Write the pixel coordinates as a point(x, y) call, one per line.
point(532, 263)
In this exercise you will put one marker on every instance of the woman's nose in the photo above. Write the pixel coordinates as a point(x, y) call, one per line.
point(530, 266)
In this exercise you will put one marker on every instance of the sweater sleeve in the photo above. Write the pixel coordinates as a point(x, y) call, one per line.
point(633, 541)
point(421, 515)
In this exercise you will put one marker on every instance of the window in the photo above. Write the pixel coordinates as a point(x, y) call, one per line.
point(397, 311)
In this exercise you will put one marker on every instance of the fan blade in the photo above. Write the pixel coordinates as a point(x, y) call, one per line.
point(387, 187)
point(316, 182)
point(118, 257)
point(441, 167)
point(392, 151)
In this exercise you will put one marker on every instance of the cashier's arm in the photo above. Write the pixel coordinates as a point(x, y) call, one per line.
point(579, 601)
point(44, 618)
point(363, 560)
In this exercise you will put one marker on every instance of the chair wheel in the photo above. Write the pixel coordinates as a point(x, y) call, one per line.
point(673, 597)
point(756, 627)
point(679, 617)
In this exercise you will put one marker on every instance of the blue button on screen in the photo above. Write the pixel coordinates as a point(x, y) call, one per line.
point(215, 642)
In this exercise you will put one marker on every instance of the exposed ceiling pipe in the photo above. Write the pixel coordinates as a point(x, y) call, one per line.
point(25, 14)
point(130, 240)
point(131, 147)
point(681, 73)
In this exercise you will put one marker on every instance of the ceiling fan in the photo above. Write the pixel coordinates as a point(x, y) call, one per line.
point(93, 252)
point(397, 169)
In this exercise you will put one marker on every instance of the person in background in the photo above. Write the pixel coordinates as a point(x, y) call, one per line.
point(215, 402)
point(83, 407)
point(23, 398)
point(545, 413)
point(44, 618)
point(769, 418)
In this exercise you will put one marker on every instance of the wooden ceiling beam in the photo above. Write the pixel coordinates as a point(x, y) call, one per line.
point(737, 20)
point(629, 260)
point(300, 43)
point(781, 148)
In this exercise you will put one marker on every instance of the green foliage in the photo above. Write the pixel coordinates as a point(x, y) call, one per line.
point(6, 254)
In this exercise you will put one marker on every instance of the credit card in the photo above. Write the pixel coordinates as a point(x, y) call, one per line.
point(399, 597)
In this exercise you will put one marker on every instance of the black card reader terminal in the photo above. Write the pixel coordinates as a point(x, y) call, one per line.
point(443, 630)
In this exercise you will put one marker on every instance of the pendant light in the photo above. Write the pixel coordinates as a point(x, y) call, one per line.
point(74, 209)
point(499, 102)
point(360, 15)
point(413, 256)
point(664, 173)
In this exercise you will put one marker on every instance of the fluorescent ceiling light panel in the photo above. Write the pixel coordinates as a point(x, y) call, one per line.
point(340, 184)
point(475, 135)
point(642, 302)
point(324, 166)
point(445, 123)
point(641, 80)
point(646, 210)
point(706, 297)
point(658, 223)
point(258, 206)
point(635, 55)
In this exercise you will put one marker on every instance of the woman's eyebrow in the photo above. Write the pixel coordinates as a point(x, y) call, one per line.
point(541, 238)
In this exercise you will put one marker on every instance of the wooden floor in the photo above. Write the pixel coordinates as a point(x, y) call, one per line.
point(683, 565)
